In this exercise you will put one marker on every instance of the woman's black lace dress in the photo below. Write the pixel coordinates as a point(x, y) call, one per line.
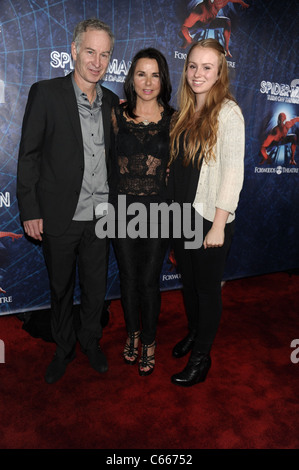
point(140, 154)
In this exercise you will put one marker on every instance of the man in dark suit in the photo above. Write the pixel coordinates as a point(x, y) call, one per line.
point(62, 177)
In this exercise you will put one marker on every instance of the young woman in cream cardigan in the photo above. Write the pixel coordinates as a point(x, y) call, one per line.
point(206, 170)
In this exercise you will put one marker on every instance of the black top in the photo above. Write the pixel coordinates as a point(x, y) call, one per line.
point(183, 180)
point(140, 156)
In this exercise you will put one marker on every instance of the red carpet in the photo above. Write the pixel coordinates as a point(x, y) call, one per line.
point(249, 400)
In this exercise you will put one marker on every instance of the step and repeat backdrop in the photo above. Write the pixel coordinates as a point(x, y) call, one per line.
point(261, 41)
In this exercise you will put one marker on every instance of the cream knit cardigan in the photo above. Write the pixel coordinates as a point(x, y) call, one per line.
point(221, 181)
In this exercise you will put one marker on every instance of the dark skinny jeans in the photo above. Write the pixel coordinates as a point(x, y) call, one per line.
point(140, 262)
point(202, 271)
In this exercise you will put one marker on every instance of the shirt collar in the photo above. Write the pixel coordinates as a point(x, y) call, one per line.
point(79, 92)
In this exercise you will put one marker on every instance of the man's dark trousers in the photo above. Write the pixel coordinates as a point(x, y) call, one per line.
point(79, 244)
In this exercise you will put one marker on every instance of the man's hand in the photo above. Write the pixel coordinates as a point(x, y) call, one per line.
point(34, 228)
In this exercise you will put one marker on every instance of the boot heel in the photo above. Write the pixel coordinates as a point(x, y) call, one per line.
point(195, 371)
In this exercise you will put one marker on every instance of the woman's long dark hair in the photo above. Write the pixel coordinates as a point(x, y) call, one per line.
point(165, 92)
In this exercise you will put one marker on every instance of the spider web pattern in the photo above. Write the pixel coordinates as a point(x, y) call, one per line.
point(264, 46)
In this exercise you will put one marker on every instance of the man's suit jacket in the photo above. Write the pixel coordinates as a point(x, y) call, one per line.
point(51, 156)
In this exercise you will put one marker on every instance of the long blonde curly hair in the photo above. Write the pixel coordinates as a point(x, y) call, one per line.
point(200, 130)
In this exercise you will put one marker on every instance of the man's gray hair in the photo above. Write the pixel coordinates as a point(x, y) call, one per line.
point(92, 23)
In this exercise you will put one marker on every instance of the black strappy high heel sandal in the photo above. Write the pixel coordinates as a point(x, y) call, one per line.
point(147, 361)
point(130, 349)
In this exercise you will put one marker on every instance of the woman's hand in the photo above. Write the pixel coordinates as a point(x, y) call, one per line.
point(214, 238)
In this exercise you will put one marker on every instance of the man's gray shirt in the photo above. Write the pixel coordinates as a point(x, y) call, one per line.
point(94, 188)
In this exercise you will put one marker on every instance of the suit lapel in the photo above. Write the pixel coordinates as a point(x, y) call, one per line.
point(70, 101)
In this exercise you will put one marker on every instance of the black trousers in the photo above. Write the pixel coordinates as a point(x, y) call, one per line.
point(202, 270)
point(140, 262)
point(78, 246)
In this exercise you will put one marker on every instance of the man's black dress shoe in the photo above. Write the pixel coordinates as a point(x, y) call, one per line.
point(97, 359)
point(195, 371)
point(57, 368)
point(185, 345)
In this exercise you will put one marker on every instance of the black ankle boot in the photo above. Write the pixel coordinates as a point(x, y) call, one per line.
point(184, 346)
point(195, 371)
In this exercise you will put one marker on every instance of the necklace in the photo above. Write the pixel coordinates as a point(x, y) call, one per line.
point(145, 121)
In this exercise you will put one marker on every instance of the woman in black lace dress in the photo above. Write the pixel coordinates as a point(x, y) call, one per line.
point(140, 155)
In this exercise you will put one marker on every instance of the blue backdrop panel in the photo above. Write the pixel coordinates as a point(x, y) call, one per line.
point(35, 42)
